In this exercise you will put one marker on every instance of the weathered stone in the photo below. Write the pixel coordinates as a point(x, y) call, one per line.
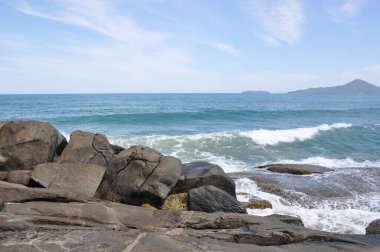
point(197, 174)
point(295, 169)
point(212, 199)
point(24, 144)
point(178, 202)
point(257, 203)
point(140, 175)
point(147, 206)
point(117, 149)
point(87, 148)
point(3, 175)
point(77, 180)
point(373, 227)
point(10, 192)
point(19, 177)
point(291, 220)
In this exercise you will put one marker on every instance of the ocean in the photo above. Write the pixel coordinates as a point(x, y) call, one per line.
point(240, 132)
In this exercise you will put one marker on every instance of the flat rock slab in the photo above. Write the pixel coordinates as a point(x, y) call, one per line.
point(78, 180)
point(295, 169)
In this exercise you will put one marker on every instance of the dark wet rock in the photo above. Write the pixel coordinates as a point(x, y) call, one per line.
point(373, 227)
point(295, 169)
point(10, 192)
point(178, 202)
point(140, 175)
point(212, 199)
point(77, 180)
point(87, 148)
point(291, 220)
point(61, 144)
point(19, 177)
point(117, 149)
point(257, 203)
point(197, 174)
point(24, 144)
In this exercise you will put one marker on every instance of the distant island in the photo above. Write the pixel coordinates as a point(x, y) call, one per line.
point(355, 87)
point(255, 92)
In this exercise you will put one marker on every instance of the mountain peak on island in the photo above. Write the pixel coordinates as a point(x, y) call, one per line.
point(355, 87)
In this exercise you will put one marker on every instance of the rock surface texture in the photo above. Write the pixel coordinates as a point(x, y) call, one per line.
point(295, 169)
point(212, 199)
point(140, 175)
point(24, 144)
point(373, 227)
point(197, 174)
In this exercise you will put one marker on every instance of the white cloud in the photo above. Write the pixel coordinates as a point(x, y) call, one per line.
point(227, 48)
point(373, 69)
point(345, 10)
point(281, 20)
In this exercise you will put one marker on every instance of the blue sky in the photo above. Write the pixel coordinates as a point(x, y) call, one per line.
point(90, 46)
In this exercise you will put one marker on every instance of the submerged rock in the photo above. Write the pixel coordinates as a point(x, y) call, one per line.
point(197, 174)
point(77, 180)
point(87, 148)
point(373, 227)
point(257, 203)
point(140, 175)
point(295, 169)
point(24, 144)
point(212, 199)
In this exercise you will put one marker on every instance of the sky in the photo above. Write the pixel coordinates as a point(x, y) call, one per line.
point(171, 46)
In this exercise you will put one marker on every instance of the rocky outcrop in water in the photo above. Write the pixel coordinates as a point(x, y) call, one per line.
point(295, 169)
point(78, 203)
point(373, 227)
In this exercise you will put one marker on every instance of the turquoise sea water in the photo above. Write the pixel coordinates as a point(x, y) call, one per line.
point(238, 132)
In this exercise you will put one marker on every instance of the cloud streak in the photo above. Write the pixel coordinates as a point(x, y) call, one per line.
point(345, 10)
point(281, 21)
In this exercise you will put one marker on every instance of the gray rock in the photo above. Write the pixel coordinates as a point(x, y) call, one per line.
point(212, 199)
point(291, 220)
point(140, 175)
point(295, 169)
point(87, 148)
point(197, 174)
point(19, 177)
point(10, 192)
point(373, 227)
point(24, 144)
point(117, 149)
point(76, 180)
point(3, 175)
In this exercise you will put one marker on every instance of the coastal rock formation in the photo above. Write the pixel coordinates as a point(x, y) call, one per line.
point(140, 175)
point(197, 174)
point(178, 202)
point(211, 199)
point(295, 169)
point(19, 177)
point(87, 148)
point(291, 220)
point(373, 227)
point(24, 144)
point(77, 180)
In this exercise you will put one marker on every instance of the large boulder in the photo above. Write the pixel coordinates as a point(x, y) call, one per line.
point(87, 148)
point(77, 180)
point(373, 227)
point(257, 203)
point(140, 175)
point(24, 144)
point(200, 173)
point(212, 199)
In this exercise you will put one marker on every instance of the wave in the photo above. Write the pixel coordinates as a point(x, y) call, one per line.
point(331, 162)
point(274, 137)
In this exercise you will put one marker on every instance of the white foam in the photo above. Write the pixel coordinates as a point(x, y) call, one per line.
point(331, 162)
point(274, 137)
point(339, 216)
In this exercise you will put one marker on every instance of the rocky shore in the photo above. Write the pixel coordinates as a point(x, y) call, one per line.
point(86, 194)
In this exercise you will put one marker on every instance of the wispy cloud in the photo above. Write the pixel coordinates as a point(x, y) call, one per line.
point(373, 69)
point(281, 21)
point(226, 48)
point(345, 10)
